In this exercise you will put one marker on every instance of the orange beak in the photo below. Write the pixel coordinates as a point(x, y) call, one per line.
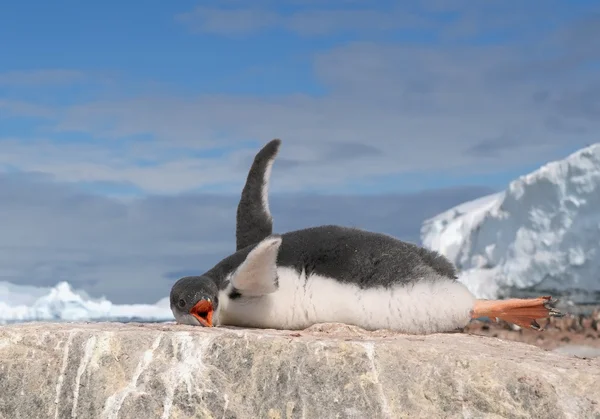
point(203, 312)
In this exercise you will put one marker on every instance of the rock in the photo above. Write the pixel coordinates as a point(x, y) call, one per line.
point(581, 351)
point(111, 370)
point(570, 330)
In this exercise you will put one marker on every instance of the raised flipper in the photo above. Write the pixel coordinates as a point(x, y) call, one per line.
point(257, 275)
point(520, 311)
point(254, 221)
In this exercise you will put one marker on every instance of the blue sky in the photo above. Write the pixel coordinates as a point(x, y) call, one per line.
point(114, 98)
point(445, 99)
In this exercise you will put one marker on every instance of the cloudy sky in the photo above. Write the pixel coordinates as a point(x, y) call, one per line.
point(126, 132)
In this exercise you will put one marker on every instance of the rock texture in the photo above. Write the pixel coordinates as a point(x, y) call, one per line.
point(111, 370)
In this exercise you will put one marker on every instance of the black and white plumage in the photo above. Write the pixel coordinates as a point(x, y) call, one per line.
point(320, 274)
point(254, 221)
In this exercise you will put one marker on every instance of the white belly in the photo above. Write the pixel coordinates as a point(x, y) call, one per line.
point(433, 304)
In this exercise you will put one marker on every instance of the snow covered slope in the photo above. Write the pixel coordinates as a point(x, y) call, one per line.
point(26, 303)
point(541, 235)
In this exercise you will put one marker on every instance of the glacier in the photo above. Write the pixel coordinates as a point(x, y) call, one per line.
point(539, 236)
point(22, 303)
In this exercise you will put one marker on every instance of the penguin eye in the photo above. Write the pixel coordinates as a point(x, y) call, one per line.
point(181, 303)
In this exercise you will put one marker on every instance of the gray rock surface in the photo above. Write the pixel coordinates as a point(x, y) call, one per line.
point(109, 370)
point(581, 351)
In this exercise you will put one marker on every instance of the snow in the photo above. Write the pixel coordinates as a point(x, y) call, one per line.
point(541, 235)
point(21, 303)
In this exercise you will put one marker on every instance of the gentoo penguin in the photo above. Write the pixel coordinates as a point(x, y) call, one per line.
point(332, 274)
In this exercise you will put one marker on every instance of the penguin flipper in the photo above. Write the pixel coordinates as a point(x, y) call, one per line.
point(254, 221)
point(523, 312)
point(257, 275)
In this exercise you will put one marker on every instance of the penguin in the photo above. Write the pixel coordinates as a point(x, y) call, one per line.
point(333, 273)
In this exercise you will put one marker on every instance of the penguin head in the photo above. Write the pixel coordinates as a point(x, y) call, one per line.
point(194, 300)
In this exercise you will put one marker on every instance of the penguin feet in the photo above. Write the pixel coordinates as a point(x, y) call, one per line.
point(523, 312)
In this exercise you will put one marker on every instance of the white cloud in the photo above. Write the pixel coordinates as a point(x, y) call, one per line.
point(421, 109)
point(413, 108)
point(101, 162)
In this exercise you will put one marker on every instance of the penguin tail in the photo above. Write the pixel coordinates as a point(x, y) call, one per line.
point(520, 311)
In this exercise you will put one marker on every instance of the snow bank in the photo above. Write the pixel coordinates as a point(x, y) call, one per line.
point(540, 235)
point(20, 303)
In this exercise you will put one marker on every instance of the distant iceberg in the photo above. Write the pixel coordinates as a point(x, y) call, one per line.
point(539, 236)
point(22, 303)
